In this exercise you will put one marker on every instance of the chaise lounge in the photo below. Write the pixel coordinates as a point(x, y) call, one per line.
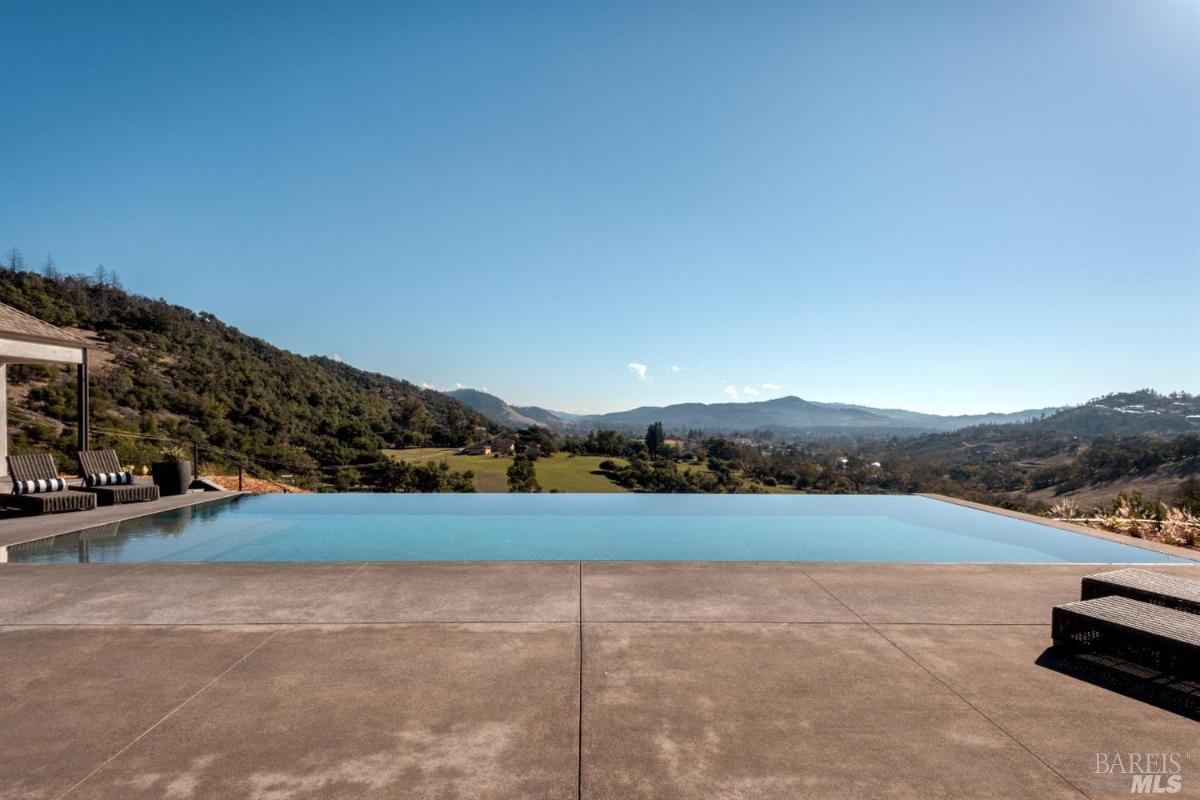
point(36, 487)
point(1144, 617)
point(1171, 591)
point(103, 477)
point(1151, 635)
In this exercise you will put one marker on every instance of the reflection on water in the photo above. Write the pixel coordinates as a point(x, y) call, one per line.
point(111, 541)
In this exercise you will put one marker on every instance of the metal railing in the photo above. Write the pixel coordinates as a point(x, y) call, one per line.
point(235, 459)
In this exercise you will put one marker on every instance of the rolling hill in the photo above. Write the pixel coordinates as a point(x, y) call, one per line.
point(1144, 412)
point(494, 409)
point(161, 371)
point(936, 422)
point(501, 413)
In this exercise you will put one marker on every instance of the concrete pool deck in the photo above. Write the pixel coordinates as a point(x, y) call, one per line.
point(556, 680)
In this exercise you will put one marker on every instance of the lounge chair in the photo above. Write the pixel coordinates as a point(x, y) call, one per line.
point(104, 462)
point(1171, 591)
point(1154, 636)
point(40, 467)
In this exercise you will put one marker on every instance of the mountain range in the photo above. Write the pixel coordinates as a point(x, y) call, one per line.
point(781, 414)
point(1136, 412)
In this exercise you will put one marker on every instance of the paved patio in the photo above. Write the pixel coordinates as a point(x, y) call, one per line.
point(555, 680)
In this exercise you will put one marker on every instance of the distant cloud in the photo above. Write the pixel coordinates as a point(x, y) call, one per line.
point(772, 387)
point(704, 366)
point(731, 390)
point(637, 369)
point(677, 368)
point(459, 386)
point(750, 390)
point(425, 385)
point(337, 357)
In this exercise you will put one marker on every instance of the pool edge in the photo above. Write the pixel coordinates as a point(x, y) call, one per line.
point(136, 511)
point(1069, 527)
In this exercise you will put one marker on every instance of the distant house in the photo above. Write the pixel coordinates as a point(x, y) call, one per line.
point(875, 465)
point(503, 447)
point(481, 449)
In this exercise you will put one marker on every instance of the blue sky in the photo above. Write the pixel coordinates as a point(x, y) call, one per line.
point(949, 207)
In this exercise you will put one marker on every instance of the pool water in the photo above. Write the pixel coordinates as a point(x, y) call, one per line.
point(571, 527)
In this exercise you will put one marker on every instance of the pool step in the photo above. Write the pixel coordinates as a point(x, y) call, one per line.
point(1170, 591)
point(1148, 634)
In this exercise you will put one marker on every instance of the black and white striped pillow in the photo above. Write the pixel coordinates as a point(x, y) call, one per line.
point(40, 485)
point(108, 479)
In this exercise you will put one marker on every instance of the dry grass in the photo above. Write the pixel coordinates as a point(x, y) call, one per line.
point(254, 485)
point(1177, 526)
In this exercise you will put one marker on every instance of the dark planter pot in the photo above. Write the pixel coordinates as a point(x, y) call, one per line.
point(172, 477)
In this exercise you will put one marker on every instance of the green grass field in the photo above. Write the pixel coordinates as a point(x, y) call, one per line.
point(561, 471)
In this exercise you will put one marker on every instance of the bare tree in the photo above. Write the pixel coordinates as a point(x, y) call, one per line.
point(16, 261)
point(50, 267)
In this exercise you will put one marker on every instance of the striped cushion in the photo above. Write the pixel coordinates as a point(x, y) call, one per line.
point(40, 485)
point(108, 479)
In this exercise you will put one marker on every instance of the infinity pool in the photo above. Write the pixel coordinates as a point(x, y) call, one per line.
point(571, 527)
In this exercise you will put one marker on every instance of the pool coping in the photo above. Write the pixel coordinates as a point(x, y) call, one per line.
point(1070, 527)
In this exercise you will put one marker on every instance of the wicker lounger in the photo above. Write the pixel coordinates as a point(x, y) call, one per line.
point(92, 462)
point(1163, 638)
point(1171, 591)
point(40, 466)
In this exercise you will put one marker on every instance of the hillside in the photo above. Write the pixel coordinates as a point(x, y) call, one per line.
point(163, 371)
point(501, 413)
point(555, 421)
point(1131, 413)
point(938, 422)
point(1032, 465)
point(493, 408)
point(1162, 483)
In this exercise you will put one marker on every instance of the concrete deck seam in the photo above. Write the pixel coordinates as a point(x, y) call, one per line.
point(169, 714)
point(201, 690)
point(948, 687)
